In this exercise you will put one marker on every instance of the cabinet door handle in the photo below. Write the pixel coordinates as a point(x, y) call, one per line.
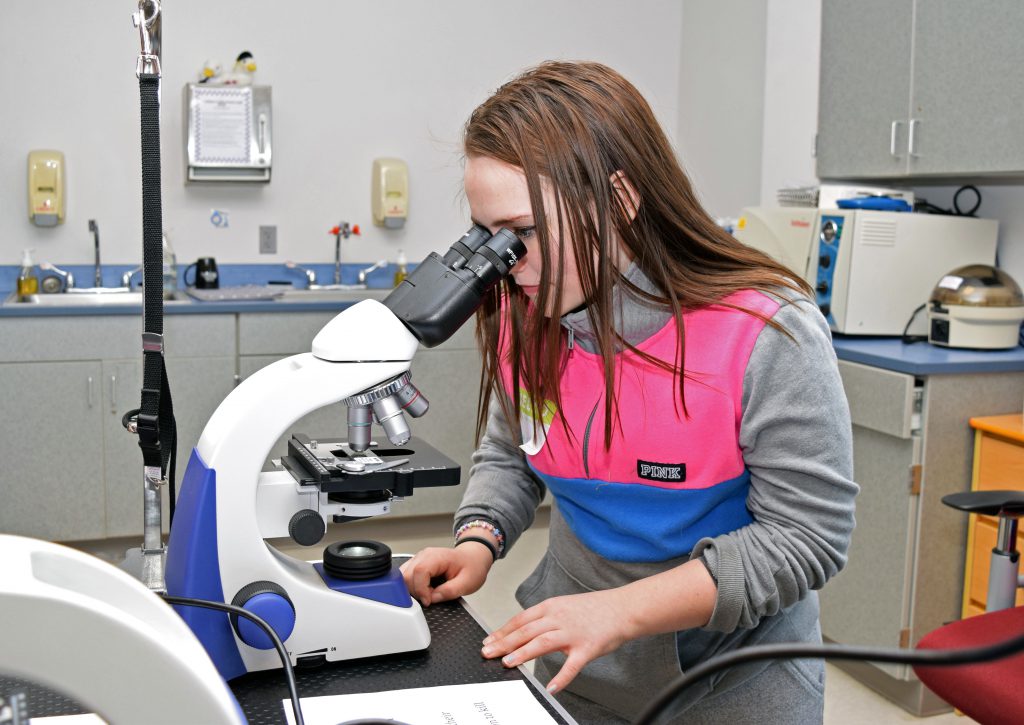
point(89, 388)
point(912, 137)
point(892, 137)
point(113, 393)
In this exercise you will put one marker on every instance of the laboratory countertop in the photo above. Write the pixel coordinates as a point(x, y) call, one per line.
point(888, 353)
point(196, 307)
point(922, 358)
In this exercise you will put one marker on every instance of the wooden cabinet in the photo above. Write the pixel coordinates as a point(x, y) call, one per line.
point(919, 88)
point(51, 481)
point(998, 465)
point(912, 445)
point(71, 472)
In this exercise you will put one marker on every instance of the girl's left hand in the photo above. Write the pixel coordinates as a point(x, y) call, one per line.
point(581, 626)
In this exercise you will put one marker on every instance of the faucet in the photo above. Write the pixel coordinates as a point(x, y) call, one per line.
point(126, 278)
point(310, 274)
point(96, 244)
point(69, 279)
point(372, 268)
point(342, 231)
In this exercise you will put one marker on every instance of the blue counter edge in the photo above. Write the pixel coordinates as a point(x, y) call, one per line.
point(176, 308)
point(887, 353)
point(921, 358)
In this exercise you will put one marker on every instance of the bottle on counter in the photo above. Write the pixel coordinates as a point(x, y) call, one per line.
point(170, 269)
point(28, 282)
point(402, 272)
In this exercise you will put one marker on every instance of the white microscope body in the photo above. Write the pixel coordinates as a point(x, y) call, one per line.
point(228, 505)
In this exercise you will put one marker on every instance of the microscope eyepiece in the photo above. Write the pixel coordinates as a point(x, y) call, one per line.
point(497, 256)
point(442, 293)
point(461, 252)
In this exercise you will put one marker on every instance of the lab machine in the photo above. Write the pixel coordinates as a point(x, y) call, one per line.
point(869, 269)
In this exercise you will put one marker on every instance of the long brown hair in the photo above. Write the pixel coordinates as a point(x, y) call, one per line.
point(584, 128)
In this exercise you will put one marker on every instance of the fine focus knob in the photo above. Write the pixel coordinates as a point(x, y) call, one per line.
point(306, 527)
point(269, 602)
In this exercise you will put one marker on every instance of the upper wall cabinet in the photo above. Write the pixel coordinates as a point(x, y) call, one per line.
point(918, 88)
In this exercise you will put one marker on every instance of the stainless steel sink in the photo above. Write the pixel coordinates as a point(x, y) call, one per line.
point(332, 293)
point(89, 297)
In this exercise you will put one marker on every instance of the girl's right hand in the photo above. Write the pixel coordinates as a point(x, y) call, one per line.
point(464, 570)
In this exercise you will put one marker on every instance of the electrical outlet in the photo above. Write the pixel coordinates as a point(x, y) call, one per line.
point(268, 240)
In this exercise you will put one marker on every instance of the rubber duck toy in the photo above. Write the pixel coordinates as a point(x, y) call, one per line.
point(242, 73)
point(209, 72)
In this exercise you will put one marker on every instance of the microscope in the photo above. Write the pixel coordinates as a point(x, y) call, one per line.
point(354, 603)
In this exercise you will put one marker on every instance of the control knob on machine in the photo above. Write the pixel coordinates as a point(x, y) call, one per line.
point(306, 527)
point(269, 602)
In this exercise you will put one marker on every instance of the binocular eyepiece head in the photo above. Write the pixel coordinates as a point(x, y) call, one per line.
point(434, 301)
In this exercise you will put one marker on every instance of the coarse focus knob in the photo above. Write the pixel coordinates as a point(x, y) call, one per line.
point(269, 602)
point(306, 527)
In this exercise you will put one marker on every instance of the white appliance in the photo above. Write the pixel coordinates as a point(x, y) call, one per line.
point(783, 233)
point(978, 307)
point(869, 269)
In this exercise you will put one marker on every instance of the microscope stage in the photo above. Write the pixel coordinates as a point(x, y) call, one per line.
point(331, 465)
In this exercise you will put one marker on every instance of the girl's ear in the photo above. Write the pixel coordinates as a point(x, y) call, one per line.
point(627, 194)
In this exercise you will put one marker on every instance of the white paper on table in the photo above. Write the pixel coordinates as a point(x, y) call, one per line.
point(86, 719)
point(489, 703)
point(222, 125)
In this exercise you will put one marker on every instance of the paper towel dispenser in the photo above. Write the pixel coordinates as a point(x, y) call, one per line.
point(229, 133)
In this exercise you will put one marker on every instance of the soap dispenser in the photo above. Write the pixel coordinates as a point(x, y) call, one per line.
point(402, 272)
point(28, 282)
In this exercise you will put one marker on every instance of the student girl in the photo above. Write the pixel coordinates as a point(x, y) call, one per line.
point(678, 395)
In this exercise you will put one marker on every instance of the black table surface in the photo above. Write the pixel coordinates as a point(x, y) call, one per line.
point(453, 658)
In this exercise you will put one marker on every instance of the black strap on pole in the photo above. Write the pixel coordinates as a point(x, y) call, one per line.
point(156, 427)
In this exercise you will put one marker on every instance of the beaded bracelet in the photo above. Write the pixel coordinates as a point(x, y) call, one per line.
point(486, 526)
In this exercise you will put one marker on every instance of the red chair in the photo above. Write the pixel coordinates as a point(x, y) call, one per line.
point(991, 692)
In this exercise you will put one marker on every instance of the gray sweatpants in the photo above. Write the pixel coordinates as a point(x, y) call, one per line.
point(617, 687)
point(783, 693)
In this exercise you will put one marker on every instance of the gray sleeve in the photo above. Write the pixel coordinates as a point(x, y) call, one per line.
point(501, 486)
point(797, 445)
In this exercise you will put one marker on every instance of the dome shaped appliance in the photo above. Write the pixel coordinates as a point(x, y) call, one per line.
point(977, 306)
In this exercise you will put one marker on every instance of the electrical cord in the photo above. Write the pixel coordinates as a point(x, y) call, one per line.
point(289, 674)
point(922, 205)
point(931, 658)
point(911, 339)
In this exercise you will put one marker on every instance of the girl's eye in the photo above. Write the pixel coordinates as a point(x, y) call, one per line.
point(525, 233)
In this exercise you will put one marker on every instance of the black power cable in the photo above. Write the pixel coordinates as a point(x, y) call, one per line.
point(289, 674)
point(910, 339)
point(931, 658)
point(922, 205)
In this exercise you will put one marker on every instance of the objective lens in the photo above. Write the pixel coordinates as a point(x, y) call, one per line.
point(412, 401)
point(359, 419)
point(389, 414)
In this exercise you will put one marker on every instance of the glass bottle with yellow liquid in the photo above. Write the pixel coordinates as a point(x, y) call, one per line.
point(402, 272)
point(28, 282)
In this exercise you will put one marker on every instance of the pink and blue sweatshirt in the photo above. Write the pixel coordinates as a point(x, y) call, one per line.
point(756, 481)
